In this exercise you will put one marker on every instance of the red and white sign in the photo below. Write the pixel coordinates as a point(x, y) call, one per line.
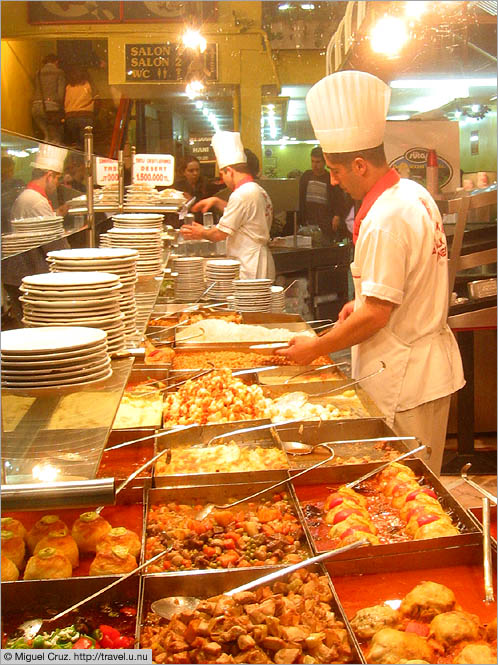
point(106, 171)
point(154, 170)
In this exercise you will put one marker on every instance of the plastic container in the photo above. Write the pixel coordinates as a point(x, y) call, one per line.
point(432, 173)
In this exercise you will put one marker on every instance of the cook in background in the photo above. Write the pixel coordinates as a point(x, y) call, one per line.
point(400, 268)
point(191, 182)
point(247, 216)
point(47, 108)
point(321, 203)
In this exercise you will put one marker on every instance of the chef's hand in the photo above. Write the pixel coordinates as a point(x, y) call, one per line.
point(206, 204)
point(192, 231)
point(63, 209)
point(301, 350)
point(346, 311)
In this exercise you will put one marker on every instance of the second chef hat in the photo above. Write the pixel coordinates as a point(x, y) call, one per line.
point(50, 158)
point(228, 149)
point(348, 111)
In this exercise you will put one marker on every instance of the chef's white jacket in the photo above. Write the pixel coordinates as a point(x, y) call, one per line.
point(247, 220)
point(31, 203)
point(401, 256)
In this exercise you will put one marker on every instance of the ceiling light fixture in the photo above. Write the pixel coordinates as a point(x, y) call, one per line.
point(194, 40)
point(194, 88)
point(415, 9)
point(284, 6)
point(307, 6)
point(388, 36)
point(199, 104)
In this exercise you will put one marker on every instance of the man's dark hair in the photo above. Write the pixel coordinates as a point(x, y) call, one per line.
point(376, 156)
point(51, 57)
point(252, 162)
point(243, 167)
point(317, 152)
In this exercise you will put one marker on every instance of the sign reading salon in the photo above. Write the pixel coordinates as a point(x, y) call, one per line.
point(169, 62)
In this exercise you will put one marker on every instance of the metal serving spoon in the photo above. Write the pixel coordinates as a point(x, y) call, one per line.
point(297, 448)
point(485, 493)
point(168, 607)
point(32, 627)
point(346, 386)
point(208, 508)
point(359, 480)
point(315, 369)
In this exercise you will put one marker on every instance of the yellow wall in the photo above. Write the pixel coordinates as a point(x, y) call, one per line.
point(486, 159)
point(18, 67)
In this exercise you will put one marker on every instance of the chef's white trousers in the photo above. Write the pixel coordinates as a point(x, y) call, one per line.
point(428, 422)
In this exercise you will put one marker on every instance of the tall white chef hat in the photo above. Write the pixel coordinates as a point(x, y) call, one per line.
point(348, 111)
point(50, 158)
point(228, 149)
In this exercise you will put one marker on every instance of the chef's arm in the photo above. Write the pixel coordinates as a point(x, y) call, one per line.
point(211, 202)
point(359, 326)
point(197, 231)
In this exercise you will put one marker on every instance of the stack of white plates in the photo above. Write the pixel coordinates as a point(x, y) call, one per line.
point(31, 232)
point(75, 299)
point(115, 260)
point(277, 299)
point(189, 284)
point(221, 272)
point(137, 220)
point(147, 242)
point(252, 295)
point(53, 357)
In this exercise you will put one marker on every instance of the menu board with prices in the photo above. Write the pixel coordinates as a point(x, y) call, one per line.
point(155, 170)
point(106, 172)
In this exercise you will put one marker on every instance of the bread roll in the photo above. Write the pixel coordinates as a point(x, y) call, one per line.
point(44, 525)
point(10, 572)
point(88, 529)
point(63, 543)
point(114, 561)
point(121, 536)
point(47, 564)
point(17, 527)
point(13, 548)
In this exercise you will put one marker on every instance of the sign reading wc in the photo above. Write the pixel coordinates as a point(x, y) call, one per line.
point(169, 62)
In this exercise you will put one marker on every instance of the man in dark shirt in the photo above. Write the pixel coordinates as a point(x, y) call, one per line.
point(320, 203)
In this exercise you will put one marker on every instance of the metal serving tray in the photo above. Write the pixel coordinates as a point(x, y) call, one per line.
point(200, 436)
point(280, 375)
point(131, 518)
point(119, 463)
point(366, 559)
point(328, 431)
point(219, 494)
point(42, 595)
point(208, 584)
point(294, 327)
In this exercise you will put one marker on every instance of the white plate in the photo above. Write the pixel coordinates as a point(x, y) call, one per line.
point(92, 253)
point(65, 383)
point(40, 340)
point(49, 361)
point(56, 373)
point(56, 280)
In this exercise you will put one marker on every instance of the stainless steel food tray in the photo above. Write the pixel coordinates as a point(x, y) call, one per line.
point(280, 375)
point(212, 583)
point(218, 494)
point(122, 461)
point(367, 558)
point(201, 435)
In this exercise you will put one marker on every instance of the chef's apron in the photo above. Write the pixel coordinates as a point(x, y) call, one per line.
point(256, 260)
point(386, 346)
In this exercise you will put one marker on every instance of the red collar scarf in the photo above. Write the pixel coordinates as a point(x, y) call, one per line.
point(387, 181)
point(245, 180)
point(34, 185)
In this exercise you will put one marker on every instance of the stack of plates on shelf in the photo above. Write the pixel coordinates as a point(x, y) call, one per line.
point(141, 195)
point(54, 357)
point(277, 299)
point(137, 220)
point(147, 242)
point(115, 260)
point(189, 285)
point(31, 232)
point(109, 195)
point(221, 272)
point(75, 299)
point(252, 295)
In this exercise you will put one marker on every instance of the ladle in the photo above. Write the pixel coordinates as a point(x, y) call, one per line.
point(207, 510)
point(481, 490)
point(298, 449)
point(319, 368)
point(361, 479)
point(489, 594)
point(168, 607)
point(346, 386)
point(32, 627)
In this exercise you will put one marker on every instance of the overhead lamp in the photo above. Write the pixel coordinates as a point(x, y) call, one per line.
point(307, 6)
point(388, 36)
point(199, 104)
point(415, 9)
point(205, 112)
point(194, 88)
point(194, 40)
point(283, 6)
point(475, 108)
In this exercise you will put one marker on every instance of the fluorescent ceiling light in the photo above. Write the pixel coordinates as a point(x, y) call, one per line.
point(307, 5)
point(284, 6)
point(404, 116)
point(474, 137)
point(437, 83)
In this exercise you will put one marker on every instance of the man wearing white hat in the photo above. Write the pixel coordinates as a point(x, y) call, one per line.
point(247, 217)
point(35, 201)
point(399, 270)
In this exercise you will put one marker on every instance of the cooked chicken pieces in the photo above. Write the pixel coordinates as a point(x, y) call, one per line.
point(476, 654)
point(369, 620)
point(426, 600)
point(452, 627)
point(390, 646)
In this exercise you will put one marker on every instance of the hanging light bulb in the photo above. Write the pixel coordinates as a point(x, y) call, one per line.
point(388, 36)
point(194, 40)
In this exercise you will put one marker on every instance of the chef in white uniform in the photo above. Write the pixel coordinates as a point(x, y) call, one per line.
point(247, 217)
point(400, 268)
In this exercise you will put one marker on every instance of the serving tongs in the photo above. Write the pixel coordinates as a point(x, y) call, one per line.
point(319, 368)
point(346, 386)
point(481, 490)
point(185, 208)
point(168, 607)
point(368, 475)
point(32, 627)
